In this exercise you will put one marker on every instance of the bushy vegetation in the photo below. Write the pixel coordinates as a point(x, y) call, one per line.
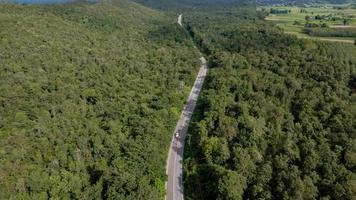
point(331, 32)
point(89, 97)
point(279, 11)
point(276, 118)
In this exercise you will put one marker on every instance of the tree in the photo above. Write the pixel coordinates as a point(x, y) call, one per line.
point(231, 186)
point(345, 21)
point(307, 18)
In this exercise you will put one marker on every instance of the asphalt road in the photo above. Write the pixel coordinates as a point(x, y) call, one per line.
point(174, 185)
point(180, 19)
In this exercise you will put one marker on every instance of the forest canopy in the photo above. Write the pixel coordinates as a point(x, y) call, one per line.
point(277, 115)
point(89, 97)
point(90, 94)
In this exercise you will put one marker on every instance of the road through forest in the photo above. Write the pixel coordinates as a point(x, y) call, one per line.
point(174, 185)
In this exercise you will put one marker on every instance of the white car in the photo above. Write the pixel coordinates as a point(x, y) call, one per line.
point(177, 135)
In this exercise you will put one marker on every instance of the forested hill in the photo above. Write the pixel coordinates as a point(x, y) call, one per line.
point(89, 96)
point(277, 115)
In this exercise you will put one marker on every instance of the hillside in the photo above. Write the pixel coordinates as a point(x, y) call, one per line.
point(90, 93)
point(276, 118)
point(89, 96)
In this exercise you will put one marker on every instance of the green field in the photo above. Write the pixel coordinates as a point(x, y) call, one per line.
point(294, 21)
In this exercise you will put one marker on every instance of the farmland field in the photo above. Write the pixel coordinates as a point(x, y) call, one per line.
point(295, 20)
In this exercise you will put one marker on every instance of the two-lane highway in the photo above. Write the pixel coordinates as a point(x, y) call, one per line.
point(174, 186)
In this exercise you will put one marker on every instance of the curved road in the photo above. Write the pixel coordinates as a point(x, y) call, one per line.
point(180, 19)
point(174, 186)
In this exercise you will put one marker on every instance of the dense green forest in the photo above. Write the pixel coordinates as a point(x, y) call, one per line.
point(89, 96)
point(277, 115)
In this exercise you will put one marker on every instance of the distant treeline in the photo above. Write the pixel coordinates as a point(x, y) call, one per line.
point(192, 4)
point(331, 32)
point(279, 11)
point(302, 2)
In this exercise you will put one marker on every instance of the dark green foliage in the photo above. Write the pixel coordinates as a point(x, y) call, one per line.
point(276, 119)
point(89, 97)
point(331, 32)
point(279, 11)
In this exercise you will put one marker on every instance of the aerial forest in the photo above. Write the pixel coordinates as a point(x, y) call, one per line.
point(89, 97)
point(277, 115)
point(91, 91)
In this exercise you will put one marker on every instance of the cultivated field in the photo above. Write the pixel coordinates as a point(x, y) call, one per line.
point(339, 21)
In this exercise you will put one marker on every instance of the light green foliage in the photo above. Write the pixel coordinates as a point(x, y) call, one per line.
point(89, 95)
point(231, 186)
